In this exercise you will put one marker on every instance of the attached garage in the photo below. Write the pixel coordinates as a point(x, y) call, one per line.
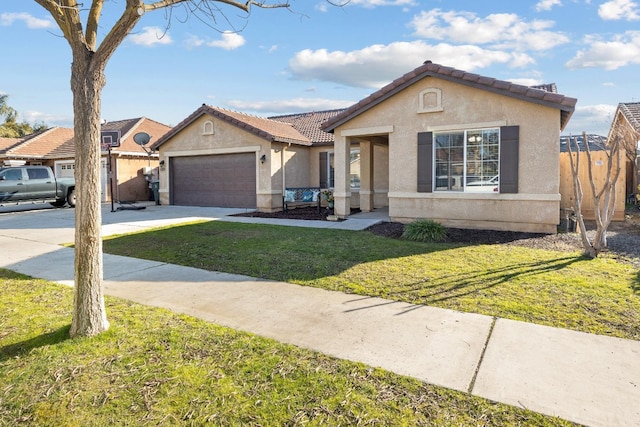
point(222, 180)
point(222, 158)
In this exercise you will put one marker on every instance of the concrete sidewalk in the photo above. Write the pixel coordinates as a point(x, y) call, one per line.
point(589, 379)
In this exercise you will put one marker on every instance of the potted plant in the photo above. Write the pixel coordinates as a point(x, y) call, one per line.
point(328, 196)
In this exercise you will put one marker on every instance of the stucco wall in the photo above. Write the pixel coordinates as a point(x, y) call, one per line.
point(534, 208)
point(132, 184)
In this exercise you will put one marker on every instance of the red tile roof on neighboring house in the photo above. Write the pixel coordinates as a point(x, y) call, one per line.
point(563, 103)
point(42, 144)
point(8, 143)
point(129, 128)
point(271, 130)
point(58, 142)
point(631, 111)
point(309, 124)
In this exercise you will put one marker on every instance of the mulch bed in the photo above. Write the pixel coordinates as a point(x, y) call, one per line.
point(395, 229)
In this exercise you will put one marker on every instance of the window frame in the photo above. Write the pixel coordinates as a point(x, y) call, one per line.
point(472, 153)
point(509, 161)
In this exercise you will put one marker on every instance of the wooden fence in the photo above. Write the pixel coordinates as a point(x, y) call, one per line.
point(599, 160)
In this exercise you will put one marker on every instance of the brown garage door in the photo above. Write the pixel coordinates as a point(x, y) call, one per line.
point(223, 180)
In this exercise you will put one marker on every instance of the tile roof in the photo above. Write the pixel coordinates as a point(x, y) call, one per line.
point(309, 124)
point(41, 145)
point(631, 111)
point(8, 143)
point(271, 130)
point(58, 142)
point(129, 127)
point(596, 142)
point(565, 104)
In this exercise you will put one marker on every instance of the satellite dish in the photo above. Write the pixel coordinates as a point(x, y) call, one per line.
point(141, 138)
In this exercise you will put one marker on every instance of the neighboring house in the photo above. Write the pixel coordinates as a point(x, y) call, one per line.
point(433, 143)
point(218, 157)
point(132, 167)
point(626, 124)
point(599, 160)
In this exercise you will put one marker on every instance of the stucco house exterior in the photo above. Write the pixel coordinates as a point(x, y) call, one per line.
point(131, 166)
point(465, 150)
point(218, 157)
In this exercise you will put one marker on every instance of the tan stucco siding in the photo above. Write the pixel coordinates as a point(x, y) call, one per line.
point(465, 108)
point(132, 184)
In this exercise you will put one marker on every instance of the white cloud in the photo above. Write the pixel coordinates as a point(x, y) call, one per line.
point(47, 118)
point(525, 81)
point(229, 41)
point(151, 36)
point(377, 65)
point(591, 119)
point(32, 22)
point(290, 105)
point(547, 4)
point(194, 41)
point(504, 30)
point(621, 50)
point(619, 9)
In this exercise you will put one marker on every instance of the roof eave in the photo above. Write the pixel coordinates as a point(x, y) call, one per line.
point(567, 105)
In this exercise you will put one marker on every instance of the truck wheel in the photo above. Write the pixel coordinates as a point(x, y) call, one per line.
point(71, 198)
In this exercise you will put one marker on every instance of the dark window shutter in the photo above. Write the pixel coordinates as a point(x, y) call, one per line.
point(509, 142)
point(324, 183)
point(425, 162)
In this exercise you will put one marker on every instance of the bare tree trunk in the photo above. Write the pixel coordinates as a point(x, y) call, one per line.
point(604, 200)
point(89, 314)
point(589, 250)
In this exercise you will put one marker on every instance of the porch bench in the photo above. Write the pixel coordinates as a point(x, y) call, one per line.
point(301, 195)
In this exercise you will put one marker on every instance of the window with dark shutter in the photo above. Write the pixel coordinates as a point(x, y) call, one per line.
point(509, 147)
point(324, 177)
point(478, 160)
point(425, 162)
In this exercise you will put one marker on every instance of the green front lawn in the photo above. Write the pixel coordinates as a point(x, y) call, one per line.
point(157, 368)
point(546, 287)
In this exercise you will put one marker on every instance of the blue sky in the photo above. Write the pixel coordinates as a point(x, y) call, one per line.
point(316, 56)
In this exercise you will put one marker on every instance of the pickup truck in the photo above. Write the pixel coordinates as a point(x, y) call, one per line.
point(35, 183)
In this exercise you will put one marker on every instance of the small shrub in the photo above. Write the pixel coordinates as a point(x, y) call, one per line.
point(424, 230)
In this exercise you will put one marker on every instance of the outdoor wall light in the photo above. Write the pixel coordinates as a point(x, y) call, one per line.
point(161, 163)
point(263, 158)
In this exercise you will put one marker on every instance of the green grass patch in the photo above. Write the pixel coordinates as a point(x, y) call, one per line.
point(157, 368)
point(545, 287)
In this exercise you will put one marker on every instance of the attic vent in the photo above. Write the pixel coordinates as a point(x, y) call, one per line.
point(430, 100)
point(208, 128)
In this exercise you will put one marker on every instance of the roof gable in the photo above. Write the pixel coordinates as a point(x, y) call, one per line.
point(631, 111)
point(270, 130)
point(537, 95)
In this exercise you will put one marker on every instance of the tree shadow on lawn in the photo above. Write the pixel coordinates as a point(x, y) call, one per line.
point(457, 285)
point(24, 347)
